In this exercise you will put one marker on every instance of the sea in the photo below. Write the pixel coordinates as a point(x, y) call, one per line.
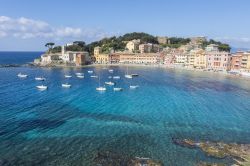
point(76, 126)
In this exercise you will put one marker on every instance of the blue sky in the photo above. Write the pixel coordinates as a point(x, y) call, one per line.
point(26, 25)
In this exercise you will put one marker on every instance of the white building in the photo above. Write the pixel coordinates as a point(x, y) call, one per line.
point(133, 45)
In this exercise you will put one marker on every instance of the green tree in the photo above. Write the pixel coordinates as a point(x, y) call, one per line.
point(49, 45)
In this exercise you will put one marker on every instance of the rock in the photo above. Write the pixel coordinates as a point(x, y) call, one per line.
point(240, 153)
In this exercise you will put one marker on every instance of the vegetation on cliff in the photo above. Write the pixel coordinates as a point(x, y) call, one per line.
point(119, 43)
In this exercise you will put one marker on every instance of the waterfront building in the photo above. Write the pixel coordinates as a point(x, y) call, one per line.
point(49, 58)
point(217, 60)
point(133, 45)
point(235, 62)
point(101, 58)
point(190, 58)
point(137, 58)
point(82, 58)
point(199, 59)
point(180, 57)
point(245, 62)
point(114, 58)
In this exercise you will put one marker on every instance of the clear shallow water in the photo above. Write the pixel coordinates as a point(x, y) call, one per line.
point(70, 126)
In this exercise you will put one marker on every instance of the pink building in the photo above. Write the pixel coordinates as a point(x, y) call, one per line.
point(217, 60)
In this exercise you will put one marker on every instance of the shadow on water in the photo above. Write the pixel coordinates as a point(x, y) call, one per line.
point(48, 118)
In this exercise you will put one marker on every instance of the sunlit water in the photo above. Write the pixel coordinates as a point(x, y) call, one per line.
point(70, 126)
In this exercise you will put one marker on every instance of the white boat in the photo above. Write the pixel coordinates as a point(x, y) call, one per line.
point(80, 76)
point(111, 70)
point(110, 83)
point(110, 77)
point(128, 76)
point(40, 79)
point(116, 77)
point(94, 76)
point(90, 71)
point(100, 88)
point(66, 85)
point(118, 89)
point(134, 86)
point(42, 87)
point(67, 76)
point(20, 75)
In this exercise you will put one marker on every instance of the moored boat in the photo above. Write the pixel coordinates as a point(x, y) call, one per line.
point(134, 86)
point(67, 76)
point(110, 83)
point(116, 77)
point(66, 85)
point(134, 75)
point(80, 76)
point(94, 76)
point(128, 76)
point(40, 79)
point(42, 87)
point(20, 75)
point(90, 71)
point(100, 88)
point(111, 70)
point(117, 89)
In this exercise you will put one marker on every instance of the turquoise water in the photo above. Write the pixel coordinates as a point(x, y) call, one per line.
point(70, 126)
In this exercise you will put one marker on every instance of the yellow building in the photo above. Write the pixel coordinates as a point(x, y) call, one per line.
point(245, 61)
point(146, 58)
point(99, 57)
point(200, 59)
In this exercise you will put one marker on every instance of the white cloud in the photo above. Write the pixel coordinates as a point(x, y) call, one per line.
point(25, 28)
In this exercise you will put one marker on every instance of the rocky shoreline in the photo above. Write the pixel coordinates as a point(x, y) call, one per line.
point(239, 153)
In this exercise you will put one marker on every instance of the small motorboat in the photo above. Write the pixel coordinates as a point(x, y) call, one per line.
point(110, 77)
point(80, 76)
point(134, 75)
point(134, 86)
point(94, 76)
point(110, 83)
point(118, 89)
point(111, 70)
point(90, 71)
point(128, 76)
point(20, 75)
point(42, 87)
point(40, 79)
point(66, 85)
point(101, 88)
point(67, 76)
point(116, 77)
